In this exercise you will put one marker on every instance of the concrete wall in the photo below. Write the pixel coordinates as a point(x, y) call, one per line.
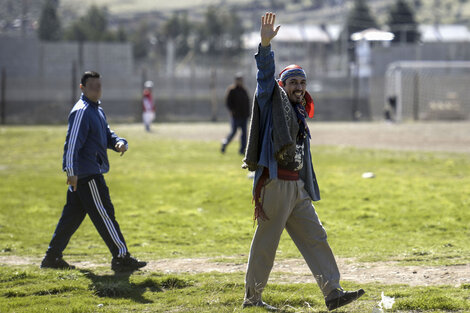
point(30, 58)
point(42, 79)
point(191, 99)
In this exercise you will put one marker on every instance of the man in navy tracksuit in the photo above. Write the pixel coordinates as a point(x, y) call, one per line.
point(85, 160)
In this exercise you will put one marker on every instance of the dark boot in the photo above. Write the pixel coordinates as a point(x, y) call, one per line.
point(55, 262)
point(339, 297)
point(126, 264)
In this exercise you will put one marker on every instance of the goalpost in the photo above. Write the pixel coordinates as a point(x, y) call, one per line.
point(428, 90)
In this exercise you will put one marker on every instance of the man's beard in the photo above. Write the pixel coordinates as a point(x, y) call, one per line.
point(295, 100)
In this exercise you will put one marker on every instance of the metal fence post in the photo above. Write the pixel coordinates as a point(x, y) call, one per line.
point(3, 97)
point(74, 83)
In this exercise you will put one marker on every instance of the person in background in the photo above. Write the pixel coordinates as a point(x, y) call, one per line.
point(238, 103)
point(148, 108)
point(390, 109)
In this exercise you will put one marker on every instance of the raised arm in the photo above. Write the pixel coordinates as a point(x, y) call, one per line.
point(265, 60)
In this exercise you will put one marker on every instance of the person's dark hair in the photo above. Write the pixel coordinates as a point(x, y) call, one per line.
point(89, 74)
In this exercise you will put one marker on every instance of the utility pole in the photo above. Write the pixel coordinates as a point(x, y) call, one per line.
point(24, 17)
point(416, 95)
point(213, 87)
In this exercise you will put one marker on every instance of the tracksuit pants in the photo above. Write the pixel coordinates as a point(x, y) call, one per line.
point(288, 205)
point(92, 198)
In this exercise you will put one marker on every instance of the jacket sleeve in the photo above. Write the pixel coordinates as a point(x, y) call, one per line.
point(113, 139)
point(265, 76)
point(77, 133)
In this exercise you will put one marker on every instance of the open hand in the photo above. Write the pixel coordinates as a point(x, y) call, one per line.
point(267, 31)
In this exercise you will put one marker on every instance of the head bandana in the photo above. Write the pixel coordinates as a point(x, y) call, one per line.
point(295, 70)
point(291, 71)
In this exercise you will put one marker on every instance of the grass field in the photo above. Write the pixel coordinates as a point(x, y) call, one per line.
point(180, 198)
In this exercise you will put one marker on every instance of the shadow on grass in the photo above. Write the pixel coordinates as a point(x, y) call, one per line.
point(119, 286)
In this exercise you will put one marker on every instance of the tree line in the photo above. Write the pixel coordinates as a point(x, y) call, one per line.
point(401, 21)
point(219, 32)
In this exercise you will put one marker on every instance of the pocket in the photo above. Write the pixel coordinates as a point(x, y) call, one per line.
point(267, 182)
point(269, 197)
point(269, 186)
point(98, 159)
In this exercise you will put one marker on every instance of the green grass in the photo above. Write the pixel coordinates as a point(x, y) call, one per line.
point(182, 199)
point(31, 290)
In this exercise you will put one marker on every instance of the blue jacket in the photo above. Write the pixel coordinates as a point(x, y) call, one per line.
point(88, 138)
point(265, 85)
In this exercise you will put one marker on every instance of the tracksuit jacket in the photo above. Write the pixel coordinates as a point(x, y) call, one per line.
point(88, 138)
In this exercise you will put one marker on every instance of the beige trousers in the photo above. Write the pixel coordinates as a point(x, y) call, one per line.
point(288, 205)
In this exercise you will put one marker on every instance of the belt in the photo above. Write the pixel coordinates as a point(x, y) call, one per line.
point(284, 174)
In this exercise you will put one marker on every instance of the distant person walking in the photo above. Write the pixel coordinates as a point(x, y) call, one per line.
point(391, 109)
point(285, 184)
point(85, 160)
point(148, 107)
point(238, 103)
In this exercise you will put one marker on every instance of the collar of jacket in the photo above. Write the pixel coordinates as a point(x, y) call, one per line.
point(89, 101)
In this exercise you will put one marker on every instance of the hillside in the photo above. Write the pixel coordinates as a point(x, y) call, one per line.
point(333, 11)
point(132, 12)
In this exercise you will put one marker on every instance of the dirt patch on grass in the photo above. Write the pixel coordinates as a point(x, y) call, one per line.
point(296, 271)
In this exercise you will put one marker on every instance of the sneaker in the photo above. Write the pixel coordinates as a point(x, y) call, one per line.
point(126, 264)
point(339, 297)
point(260, 304)
point(222, 148)
point(58, 263)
